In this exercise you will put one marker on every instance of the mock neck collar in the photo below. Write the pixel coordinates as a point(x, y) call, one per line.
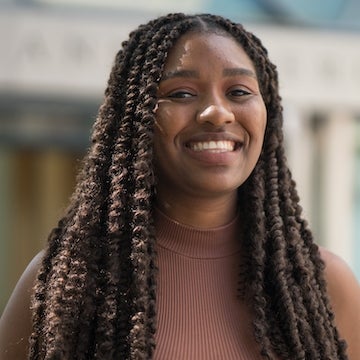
point(196, 242)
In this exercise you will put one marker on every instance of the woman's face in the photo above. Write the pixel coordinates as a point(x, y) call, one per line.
point(210, 120)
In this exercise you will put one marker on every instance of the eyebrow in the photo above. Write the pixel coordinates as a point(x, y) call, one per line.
point(239, 71)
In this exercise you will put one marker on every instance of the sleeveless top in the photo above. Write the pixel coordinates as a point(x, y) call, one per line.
point(199, 313)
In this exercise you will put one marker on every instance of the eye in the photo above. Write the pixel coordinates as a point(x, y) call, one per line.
point(181, 94)
point(238, 92)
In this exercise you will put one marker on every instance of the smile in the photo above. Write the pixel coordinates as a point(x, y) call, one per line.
point(212, 146)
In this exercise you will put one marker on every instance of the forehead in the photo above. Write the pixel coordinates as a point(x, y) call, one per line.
point(199, 48)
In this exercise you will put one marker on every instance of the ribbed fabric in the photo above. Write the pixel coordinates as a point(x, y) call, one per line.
point(199, 315)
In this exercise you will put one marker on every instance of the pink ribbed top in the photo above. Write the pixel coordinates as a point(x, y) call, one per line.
point(199, 313)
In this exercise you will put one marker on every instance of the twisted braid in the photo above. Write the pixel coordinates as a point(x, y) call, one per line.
point(252, 195)
point(95, 296)
point(114, 310)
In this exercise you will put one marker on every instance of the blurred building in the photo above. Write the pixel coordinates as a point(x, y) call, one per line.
point(55, 59)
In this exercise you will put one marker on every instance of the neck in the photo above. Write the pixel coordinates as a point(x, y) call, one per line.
point(200, 212)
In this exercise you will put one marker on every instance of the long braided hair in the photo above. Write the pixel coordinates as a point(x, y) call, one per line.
point(95, 294)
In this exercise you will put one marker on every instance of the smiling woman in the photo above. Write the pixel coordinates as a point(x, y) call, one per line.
point(184, 238)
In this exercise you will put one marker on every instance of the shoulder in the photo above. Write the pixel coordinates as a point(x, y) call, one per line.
point(15, 322)
point(344, 293)
point(341, 281)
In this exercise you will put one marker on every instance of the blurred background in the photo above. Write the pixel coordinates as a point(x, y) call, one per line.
point(56, 56)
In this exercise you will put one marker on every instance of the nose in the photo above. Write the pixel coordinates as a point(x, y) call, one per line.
point(216, 114)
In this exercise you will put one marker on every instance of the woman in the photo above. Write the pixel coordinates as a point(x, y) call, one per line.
point(184, 238)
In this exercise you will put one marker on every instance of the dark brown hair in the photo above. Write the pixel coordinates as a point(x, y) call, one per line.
point(95, 293)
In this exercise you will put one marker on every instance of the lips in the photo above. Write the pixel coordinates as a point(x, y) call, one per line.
point(214, 149)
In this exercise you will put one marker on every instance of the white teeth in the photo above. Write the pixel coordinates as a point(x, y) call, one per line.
point(213, 146)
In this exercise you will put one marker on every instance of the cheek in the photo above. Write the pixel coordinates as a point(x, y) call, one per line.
point(162, 122)
point(259, 119)
point(260, 128)
point(254, 118)
point(165, 130)
point(170, 120)
point(166, 119)
point(263, 122)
